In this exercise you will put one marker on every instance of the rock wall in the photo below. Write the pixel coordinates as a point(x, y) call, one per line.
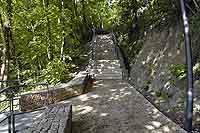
point(151, 72)
point(36, 99)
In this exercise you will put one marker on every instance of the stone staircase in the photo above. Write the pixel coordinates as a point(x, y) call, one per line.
point(105, 65)
point(113, 105)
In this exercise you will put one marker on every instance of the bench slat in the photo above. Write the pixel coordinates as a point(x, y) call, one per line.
point(55, 119)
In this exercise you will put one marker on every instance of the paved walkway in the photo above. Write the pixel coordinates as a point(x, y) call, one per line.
point(22, 121)
point(114, 106)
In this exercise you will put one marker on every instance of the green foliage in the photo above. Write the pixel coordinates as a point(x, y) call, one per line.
point(136, 18)
point(56, 71)
point(39, 30)
point(163, 95)
point(146, 87)
point(35, 27)
point(4, 105)
point(194, 23)
point(175, 109)
point(198, 67)
point(178, 70)
point(195, 29)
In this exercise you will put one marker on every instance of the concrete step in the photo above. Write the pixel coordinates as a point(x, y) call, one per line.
point(22, 121)
point(99, 51)
point(106, 71)
point(105, 67)
point(108, 76)
point(106, 64)
point(106, 44)
point(102, 68)
point(108, 56)
point(105, 61)
point(103, 37)
point(102, 49)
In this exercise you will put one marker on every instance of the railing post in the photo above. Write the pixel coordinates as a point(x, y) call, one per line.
point(188, 49)
point(12, 113)
point(9, 124)
point(93, 41)
point(93, 47)
point(10, 117)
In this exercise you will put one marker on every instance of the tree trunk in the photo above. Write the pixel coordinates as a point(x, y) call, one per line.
point(29, 3)
point(84, 22)
point(75, 9)
point(8, 43)
point(8, 39)
point(48, 32)
point(63, 32)
point(3, 65)
point(83, 10)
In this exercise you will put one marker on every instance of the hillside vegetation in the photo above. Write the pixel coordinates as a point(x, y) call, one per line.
point(47, 41)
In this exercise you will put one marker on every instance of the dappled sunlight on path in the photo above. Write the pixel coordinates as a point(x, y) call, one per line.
point(114, 106)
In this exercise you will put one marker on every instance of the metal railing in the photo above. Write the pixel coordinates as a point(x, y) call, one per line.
point(92, 49)
point(8, 103)
point(92, 44)
point(121, 56)
point(188, 54)
point(11, 94)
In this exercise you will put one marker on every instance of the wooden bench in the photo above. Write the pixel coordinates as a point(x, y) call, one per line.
point(54, 119)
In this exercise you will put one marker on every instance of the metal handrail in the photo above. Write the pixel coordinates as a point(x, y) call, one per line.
point(4, 90)
point(10, 81)
point(10, 116)
point(93, 41)
point(92, 49)
point(121, 55)
point(188, 55)
point(11, 94)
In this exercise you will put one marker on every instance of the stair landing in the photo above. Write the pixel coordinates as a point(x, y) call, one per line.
point(116, 107)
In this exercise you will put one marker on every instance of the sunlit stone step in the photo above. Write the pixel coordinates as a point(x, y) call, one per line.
point(107, 76)
point(108, 56)
point(106, 64)
point(104, 50)
point(106, 71)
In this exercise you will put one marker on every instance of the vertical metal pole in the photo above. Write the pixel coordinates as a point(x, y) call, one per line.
point(9, 124)
point(9, 117)
point(13, 122)
point(93, 48)
point(93, 41)
point(188, 49)
point(12, 114)
point(50, 99)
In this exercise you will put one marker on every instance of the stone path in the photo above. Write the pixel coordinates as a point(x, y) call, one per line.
point(106, 64)
point(22, 121)
point(55, 118)
point(114, 106)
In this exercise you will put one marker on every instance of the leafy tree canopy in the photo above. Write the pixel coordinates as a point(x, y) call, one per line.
point(49, 36)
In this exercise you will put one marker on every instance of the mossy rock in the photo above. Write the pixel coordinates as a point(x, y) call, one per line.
point(163, 94)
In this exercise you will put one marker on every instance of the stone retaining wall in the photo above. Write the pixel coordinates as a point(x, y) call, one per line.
point(36, 99)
